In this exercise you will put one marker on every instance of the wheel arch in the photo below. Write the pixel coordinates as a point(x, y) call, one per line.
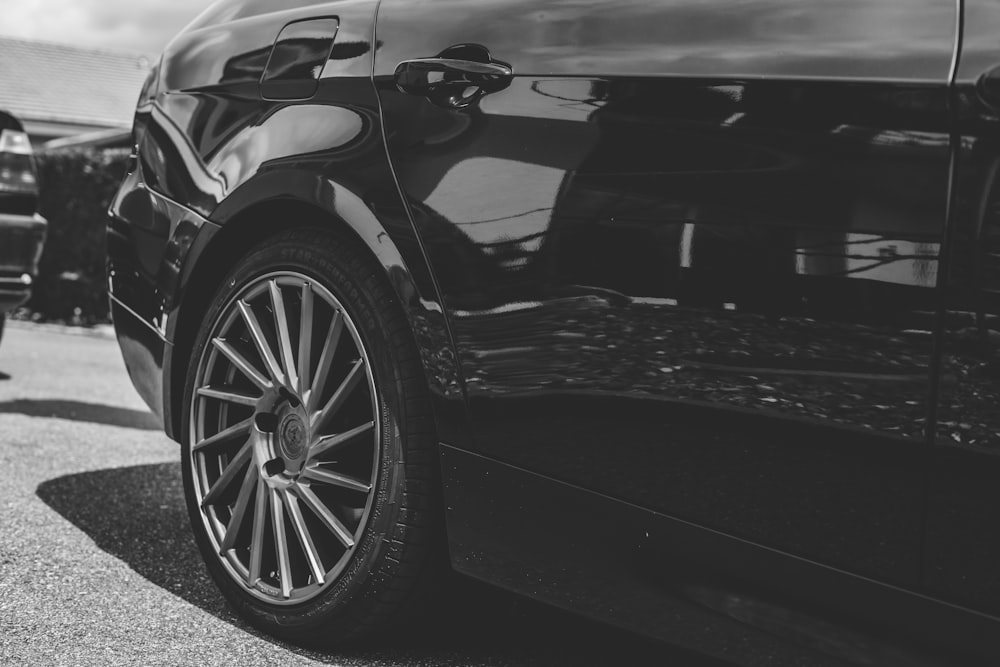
point(274, 203)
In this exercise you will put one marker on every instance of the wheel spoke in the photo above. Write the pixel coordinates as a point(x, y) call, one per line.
point(228, 475)
point(260, 341)
point(284, 524)
point(240, 510)
point(284, 338)
point(257, 537)
point(241, 363)
point(281, 543)
point(325, 476)
point(228, 395)
point(305, 337)
point(325, 515)
point(223, 436)
point(343, 391)
point(331, 442)
point(325, 360)
point(305, 539)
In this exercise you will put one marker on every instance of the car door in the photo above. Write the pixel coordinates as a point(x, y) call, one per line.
point(688, 249)
point(963, 523)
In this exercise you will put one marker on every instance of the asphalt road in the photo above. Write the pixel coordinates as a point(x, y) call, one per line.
point(97, 565)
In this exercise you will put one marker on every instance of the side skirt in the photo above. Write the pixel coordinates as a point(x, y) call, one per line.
point(686, 585)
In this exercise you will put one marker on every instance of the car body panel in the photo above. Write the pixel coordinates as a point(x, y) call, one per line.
point(700, 281)
point(673, 580)
point(963, 533)
point(852, 39)
point(212, 152)
point(149, 240)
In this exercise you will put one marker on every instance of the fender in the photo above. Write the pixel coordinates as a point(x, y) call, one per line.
point(279, 199)
point(340, 202)
point(222, 164)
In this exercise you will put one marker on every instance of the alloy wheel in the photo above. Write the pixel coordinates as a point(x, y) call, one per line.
point(285, 437)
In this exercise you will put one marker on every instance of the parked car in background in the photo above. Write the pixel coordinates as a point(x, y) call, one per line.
point(22, 230)
point(681, 315)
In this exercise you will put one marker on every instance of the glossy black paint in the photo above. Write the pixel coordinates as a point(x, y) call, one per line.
point(212, 137)
point(703, 289)
point(963, 534)
point(671, 579)
point(703, 286)
point(851, 39)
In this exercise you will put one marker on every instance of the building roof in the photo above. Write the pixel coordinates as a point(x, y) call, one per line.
point(44, 81)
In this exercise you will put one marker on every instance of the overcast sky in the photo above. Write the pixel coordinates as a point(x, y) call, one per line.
point(131, 25)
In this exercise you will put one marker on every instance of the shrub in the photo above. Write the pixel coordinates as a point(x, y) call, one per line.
point(76, 189)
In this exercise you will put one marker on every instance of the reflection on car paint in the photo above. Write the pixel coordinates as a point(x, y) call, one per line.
point(701, 279)
point(963, 495)
point(206, 139)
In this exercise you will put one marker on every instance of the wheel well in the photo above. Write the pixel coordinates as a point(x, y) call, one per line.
point(236, 238)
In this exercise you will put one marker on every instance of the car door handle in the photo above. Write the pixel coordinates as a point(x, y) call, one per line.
point(450, 82)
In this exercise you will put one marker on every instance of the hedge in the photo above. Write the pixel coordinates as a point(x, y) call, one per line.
point(76, 189)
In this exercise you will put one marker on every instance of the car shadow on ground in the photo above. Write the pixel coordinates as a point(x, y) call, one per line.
point(79, 411)
point(4, 376)
point(144, 523)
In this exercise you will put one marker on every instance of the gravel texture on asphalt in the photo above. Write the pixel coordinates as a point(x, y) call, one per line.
point(98, 567)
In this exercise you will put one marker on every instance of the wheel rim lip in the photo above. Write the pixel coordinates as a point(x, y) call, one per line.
point(212, 524)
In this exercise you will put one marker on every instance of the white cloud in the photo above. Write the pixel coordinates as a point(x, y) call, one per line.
point(133, 25)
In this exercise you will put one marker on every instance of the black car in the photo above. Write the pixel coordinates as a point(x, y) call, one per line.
point(682, 315)
point(22, 230)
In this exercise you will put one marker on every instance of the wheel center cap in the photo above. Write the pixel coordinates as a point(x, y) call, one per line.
point(292, 436)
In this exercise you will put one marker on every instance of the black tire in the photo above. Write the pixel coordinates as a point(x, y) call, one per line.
point(396, 549)
point(3, 323)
